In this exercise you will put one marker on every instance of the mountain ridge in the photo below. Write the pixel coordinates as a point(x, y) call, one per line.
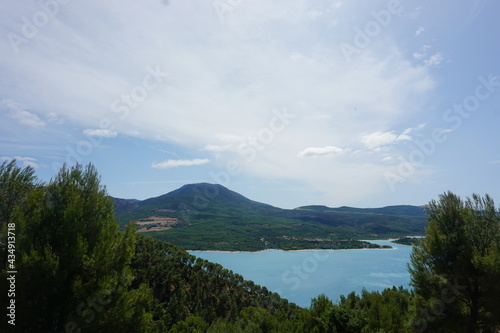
point(196, 186)
point(213, 217)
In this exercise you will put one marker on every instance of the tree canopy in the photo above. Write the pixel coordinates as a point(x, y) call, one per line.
point(73, 263)
point(456, 269)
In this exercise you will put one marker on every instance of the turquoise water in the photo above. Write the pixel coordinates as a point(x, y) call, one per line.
point(301, 275)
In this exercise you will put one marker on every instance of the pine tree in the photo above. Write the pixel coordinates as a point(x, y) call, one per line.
point(15, 183)
point(73, 263)
point(455, 271)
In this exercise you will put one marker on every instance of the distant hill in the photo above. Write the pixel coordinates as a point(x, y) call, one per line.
point(211, 217)
point(401, 210)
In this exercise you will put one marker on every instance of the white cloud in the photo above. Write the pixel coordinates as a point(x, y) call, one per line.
point(420, 126)
point(434, 60)
point(225, 77)
point(178, 163)
point(53, 117)
point(315, 13)
point(297, 56)
point(27, 118)
point(163, 151)
point(318, 117)
point(225, 143)
point(418, 55)
point(218, 148)
point(415, 13)
point(478, 8)
point(103, 133)
point(228, 138)
point(419, 31)
point(423, 53)
point(26, 161)
point(235, 82)
point(321, 151)
point(20, 114)
point(378, 139)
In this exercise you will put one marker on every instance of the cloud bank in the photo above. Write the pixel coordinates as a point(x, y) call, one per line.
point(167, 164)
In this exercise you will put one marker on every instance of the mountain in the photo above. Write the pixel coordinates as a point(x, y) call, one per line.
point(211, 217)
point(205, 196)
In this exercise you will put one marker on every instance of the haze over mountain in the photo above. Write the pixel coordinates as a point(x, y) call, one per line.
point(212, 217)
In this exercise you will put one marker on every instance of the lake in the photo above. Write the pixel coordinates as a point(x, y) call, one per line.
point(301, 275)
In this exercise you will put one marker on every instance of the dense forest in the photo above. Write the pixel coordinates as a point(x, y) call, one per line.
point(67, 267)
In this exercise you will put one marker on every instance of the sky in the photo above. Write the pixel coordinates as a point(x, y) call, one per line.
point(291, 103)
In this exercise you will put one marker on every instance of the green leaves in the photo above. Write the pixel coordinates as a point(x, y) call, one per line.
point(15, 183)
point(460, 256)
point(73, 262)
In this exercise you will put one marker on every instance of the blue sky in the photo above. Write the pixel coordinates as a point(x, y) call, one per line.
point(286, 102)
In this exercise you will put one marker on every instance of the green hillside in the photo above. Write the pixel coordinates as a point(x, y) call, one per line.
point(211, 217)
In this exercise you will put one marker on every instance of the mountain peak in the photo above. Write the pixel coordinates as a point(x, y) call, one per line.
point(202, 196)
point(207, 188)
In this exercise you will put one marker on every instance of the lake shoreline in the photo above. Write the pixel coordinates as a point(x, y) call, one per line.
point(301, 250)
point(364, 248)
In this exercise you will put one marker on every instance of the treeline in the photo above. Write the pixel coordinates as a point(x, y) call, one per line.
point(409, 241)
point(77, 272)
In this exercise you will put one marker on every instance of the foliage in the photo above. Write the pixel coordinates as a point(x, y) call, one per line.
point(455, 271)
point(15, 182)
point(72, 261)
point(184, 285)
point(370, 312)
point(410, 241)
